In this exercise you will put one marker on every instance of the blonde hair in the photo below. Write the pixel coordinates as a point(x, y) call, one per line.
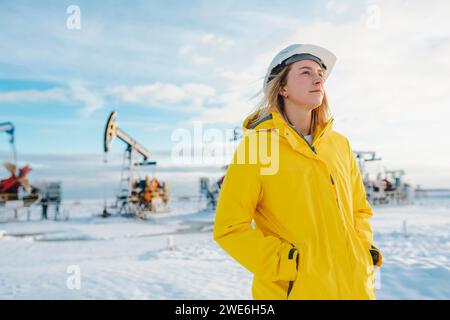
point(273, 101)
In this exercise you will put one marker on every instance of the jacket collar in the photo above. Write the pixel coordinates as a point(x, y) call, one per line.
point(276, 121)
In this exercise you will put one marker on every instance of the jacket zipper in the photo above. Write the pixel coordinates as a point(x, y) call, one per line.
point(301, 135)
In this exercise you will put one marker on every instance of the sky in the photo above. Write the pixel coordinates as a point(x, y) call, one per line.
point(167, 65)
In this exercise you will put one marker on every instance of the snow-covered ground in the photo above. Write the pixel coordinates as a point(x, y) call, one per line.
point(125, 258)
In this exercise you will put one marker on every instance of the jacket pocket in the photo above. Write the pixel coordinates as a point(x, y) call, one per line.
point(293, 254)
point(365, 251)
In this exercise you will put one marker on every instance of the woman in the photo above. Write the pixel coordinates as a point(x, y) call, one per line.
point(311, 237)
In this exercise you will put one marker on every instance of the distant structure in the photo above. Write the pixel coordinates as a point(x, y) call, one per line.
point(210, 188)
point(436, 193)
point(46, 194)
point(136, 197)
point(10, 187)
point(388, 187)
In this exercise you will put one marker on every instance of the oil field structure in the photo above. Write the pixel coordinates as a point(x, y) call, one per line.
point(137, 197)
point(17, 194)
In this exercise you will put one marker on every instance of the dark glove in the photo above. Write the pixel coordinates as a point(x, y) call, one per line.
point(375, 255)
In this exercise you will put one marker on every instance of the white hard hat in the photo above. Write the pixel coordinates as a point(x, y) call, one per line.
point(296, 52)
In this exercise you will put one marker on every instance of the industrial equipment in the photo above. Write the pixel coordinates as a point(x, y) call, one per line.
point(137, 197)
point(9, 187)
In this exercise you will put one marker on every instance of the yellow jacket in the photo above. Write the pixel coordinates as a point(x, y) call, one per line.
point(311, 234)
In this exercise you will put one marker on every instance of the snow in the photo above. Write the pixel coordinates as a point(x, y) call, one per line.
point(415, 242)
point(126, 258)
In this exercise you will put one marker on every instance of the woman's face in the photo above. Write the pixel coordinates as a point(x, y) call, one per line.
point(304, 84)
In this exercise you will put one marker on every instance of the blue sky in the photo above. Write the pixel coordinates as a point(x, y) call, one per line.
point(118, 45)
point(171, 43)
point(165, 64)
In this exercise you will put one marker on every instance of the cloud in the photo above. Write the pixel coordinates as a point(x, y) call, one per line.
point(199, 60)
point(337, 7)
point(190, 53)
point(185, 50)
point(76, 93)
point(57, 95)
point(189, 96)
point(91, 100)
point(239, 94)
point(217, 41)
point(392, 70)
point(210, 43)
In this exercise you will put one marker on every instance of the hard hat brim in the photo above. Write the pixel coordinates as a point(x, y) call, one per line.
point(323, 55)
